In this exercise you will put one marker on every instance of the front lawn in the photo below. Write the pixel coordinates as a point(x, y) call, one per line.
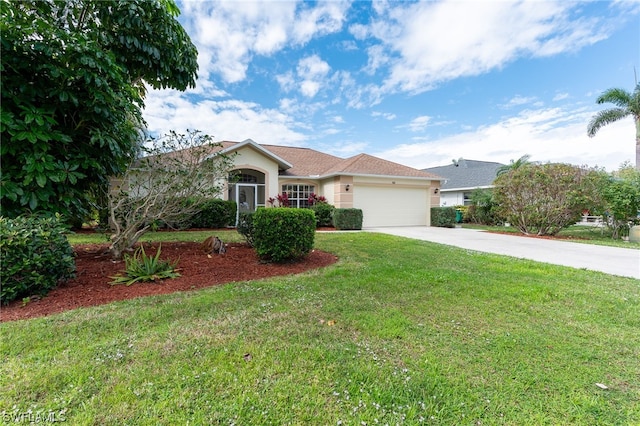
point(397, 332)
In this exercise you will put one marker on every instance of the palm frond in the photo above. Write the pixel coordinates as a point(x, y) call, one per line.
point(616, 96)
point(605, 117)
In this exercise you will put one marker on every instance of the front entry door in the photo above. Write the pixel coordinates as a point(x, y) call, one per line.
point(246, 198)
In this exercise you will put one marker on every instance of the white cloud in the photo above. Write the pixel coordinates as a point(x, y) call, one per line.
point(418, 124)
point(325, 18)
point(560, 97)
point(286, 81)
point(517, 101)
point(312, 70)
point(386, 115)
point(433, 42)
point(377, 59)
point(229, 34)
point(225, 120)
point(548, 134)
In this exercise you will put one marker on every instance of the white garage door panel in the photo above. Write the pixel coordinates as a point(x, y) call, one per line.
point(391, 206)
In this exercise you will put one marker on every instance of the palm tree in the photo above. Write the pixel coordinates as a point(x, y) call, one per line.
point(514, 165)
point(628, 104)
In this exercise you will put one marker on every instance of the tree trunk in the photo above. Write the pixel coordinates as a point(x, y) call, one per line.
point(637, 120)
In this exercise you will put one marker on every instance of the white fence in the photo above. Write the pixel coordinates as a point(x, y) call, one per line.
point(595, 221)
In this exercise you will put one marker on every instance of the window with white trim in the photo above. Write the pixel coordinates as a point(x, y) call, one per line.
point(298, 194)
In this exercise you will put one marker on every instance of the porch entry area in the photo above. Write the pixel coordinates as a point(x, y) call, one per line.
point(247, 189)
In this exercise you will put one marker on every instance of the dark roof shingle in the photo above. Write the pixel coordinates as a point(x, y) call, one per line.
point(466, 174)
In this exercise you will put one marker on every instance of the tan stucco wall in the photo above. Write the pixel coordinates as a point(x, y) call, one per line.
point(343, 196)
point(249, 158)
point(327, 189)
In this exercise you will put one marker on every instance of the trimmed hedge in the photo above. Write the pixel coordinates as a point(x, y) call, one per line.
point(324, 214)
point(34, 256)
point(444, 217)
point(347, 219)
point(283, 234)
point(215, 213)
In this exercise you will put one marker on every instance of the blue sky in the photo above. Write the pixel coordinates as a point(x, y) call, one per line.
point(418, 83)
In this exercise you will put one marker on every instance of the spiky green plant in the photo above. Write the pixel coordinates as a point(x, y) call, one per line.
point(141, 267)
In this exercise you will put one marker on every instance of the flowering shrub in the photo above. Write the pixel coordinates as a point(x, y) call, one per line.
point(322, 209)
point(316, 199)
point(281, 200)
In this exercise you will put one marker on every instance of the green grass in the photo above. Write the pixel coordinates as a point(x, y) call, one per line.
point(577, 233)
point(398, 332)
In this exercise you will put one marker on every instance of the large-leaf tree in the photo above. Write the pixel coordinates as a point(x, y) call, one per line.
point(627, 105)
point(73, 84)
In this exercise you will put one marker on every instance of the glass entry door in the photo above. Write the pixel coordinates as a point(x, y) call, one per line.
point(246, 197)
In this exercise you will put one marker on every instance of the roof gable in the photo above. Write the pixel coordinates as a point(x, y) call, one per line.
point(228, 147)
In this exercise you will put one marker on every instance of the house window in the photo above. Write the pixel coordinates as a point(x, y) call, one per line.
point(467, 198)
point(298, 194)
point(246, 178)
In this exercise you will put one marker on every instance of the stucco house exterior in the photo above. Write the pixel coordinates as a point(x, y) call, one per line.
point(461, 178)
point(388, 193)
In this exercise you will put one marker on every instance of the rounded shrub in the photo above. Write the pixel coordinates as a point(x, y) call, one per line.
point(283, 234)
point(34, 256)
point(215, 213)
point(324, 214)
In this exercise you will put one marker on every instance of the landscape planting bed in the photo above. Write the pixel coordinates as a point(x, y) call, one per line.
point(198, 270)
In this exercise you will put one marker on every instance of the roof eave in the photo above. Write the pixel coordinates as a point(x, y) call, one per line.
point(335, 174)
point(470, 188)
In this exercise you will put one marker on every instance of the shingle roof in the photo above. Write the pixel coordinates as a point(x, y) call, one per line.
point(309, 162)
point(466, 174)
point(365, 164)
point(305, 161)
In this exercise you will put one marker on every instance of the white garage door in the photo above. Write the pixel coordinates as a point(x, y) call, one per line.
point(394, 206)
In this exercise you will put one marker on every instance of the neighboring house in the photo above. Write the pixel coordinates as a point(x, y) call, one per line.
point(388, 193)
point(462, 177)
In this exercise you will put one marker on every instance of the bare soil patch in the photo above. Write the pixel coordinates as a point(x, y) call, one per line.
point(198, 270)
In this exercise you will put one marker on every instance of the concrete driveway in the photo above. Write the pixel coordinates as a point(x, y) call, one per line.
point(611, 260)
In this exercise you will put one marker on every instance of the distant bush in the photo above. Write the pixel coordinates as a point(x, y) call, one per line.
point(245, 227)
point(283, 234)
point(444, 217)
point(34, 256)
point(215, 213)
point(347, 219)
point(324, 214)
point(483, 209)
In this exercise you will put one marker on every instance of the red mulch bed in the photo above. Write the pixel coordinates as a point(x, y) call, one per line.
point(198, 270)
